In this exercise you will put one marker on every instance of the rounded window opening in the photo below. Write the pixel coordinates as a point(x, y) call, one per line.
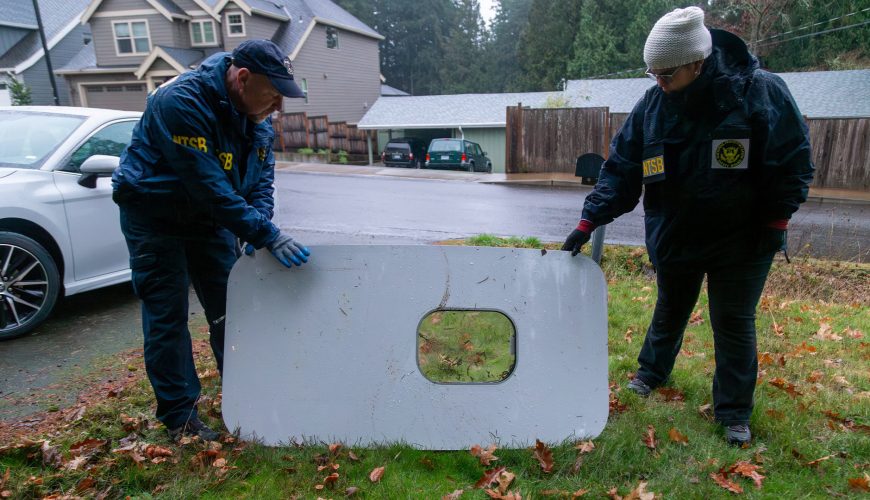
point(466, 346)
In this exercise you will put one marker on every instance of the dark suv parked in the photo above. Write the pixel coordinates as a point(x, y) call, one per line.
point(457, 153)
point(404, 152)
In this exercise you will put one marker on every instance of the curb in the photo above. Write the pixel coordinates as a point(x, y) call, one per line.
point(439, 175)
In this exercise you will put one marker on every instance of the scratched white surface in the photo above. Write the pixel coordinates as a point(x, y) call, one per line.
point(328, 351)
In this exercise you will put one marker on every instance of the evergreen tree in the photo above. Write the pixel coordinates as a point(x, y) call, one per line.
point(502, 48)
point(611, 35)
point(19, 93)
point(463, 68)
point(546, 44)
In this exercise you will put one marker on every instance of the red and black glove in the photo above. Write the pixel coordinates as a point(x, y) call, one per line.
point(578, 237)
point(772, 238)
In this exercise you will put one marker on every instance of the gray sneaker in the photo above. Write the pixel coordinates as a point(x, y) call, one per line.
point(639, 387)
point(194, 427)
point(738, 434)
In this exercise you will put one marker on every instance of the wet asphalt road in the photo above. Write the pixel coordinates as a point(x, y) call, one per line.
point(331, 209)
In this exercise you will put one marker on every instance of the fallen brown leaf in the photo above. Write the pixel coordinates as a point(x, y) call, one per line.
point(331, 479)
point(819, 460)
point(152, 451)
point(506, 496)
point(749, 470)
point(860, 483)
point(721, 478)
point(489, 477)
point(781, 383)
point(376, 474)
point(352, 456)
point(853, 334)
point(351, 491)
point(485, 456)
point(678, 437)
point(640, 493)
point(453, 496)
point(334, 448)
point(85, 484)
point(649, 437)
point(87, 447)
point(504, 481)
point(826, 333)
point(585, 447)
point(51, 455)
point(671, 394)
point(544, 456)
point(706, 411)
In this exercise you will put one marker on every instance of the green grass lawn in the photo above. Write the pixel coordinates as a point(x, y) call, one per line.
point(811, 422)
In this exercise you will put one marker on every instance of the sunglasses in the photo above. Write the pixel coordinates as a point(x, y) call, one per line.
point(667, 75)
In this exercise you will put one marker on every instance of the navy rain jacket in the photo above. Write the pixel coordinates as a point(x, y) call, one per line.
point(718, 161)
point(195, 159)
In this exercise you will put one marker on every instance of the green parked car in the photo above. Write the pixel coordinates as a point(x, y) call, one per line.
point(459, 154)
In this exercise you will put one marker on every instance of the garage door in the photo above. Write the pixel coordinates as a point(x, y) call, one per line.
point(127, 96)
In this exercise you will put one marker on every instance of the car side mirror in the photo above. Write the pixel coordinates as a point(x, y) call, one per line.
point(97, 166)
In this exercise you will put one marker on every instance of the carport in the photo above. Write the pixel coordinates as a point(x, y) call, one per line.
point(478, 118)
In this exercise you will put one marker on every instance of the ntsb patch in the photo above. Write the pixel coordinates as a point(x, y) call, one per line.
point(653, 169)
point(730, 154)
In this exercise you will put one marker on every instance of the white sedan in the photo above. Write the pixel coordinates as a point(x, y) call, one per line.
point(59, 229)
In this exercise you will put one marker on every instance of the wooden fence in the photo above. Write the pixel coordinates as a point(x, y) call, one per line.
point(841, 152)
point(550, 140)
point(298, 130)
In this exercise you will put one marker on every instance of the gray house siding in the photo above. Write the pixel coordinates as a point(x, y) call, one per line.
point(161, 30)
point(342, 82)
point(255, 27)
point(75, 80)
point(36, 76)
point(10, 36)
point(187, 5)
point(160, 65)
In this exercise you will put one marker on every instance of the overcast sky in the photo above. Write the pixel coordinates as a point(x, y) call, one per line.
point(487, 10)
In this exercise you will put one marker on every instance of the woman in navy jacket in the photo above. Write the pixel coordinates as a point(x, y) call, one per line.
point(723, 155)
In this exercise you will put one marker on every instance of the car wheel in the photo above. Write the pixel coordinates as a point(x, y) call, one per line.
point(489, 168)
point(29, 285)
point(471, 167)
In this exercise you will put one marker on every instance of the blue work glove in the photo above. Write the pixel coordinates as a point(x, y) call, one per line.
point(287, 251)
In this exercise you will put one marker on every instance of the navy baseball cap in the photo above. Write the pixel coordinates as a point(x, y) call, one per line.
point(265, 58)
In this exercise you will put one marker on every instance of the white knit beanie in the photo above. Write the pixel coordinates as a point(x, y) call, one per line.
point(678, 38)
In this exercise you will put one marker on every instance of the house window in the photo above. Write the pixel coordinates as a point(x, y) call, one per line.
point(235, 24)
point(131, 37)
point(331, 38)
point(305, 89)
point(202, 33)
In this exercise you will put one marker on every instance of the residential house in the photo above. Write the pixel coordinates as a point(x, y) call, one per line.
point(21, 53)
point(838, 95)
point(139, 44)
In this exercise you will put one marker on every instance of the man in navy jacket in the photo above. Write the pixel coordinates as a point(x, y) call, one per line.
point(197, 175)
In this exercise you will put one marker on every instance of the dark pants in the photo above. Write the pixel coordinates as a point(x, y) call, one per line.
point(166, 256)
point(733, 292)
